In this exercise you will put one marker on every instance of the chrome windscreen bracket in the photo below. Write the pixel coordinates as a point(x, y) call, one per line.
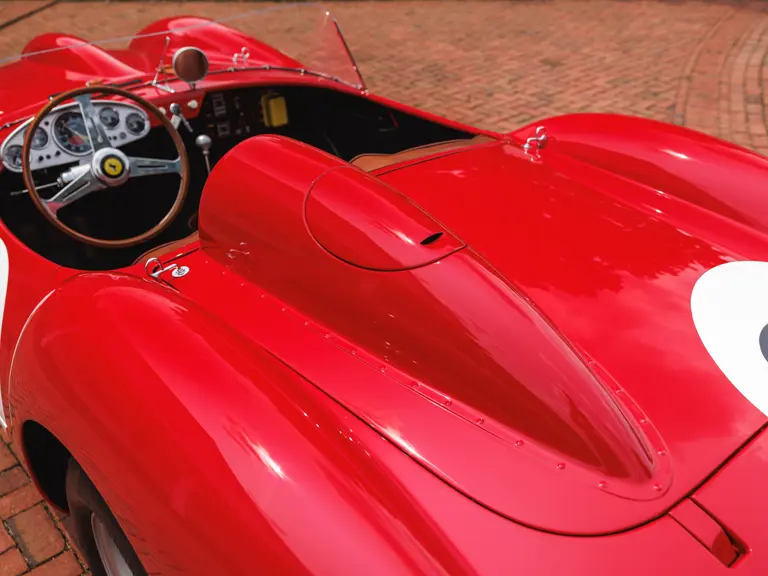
point(539, 141)
point(241, 57)
point(161, 70)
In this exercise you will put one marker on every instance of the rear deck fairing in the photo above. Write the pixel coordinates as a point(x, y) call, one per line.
point(534, 382)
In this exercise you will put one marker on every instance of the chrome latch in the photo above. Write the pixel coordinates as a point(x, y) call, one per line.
point(540, 140)
point(241, 57)
point(154, 268)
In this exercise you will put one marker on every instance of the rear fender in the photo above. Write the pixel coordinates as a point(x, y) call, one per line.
point(710, 173)
point(210, 452)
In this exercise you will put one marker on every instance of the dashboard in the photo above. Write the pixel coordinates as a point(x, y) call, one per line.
point(62, 138)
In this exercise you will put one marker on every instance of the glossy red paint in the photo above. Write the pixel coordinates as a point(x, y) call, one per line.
point(365, 223)
point(215, 455)
point(219, 40)
point(324, 393)
point(518, 424)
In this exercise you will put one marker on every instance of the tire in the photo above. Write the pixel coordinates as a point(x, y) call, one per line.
point(89, 515)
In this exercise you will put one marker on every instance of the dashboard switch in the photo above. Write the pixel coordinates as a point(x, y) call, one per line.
point(275, 110)
point(178, 117)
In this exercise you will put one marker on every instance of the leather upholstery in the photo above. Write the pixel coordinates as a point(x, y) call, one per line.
point(370, 162)
point(174, 246)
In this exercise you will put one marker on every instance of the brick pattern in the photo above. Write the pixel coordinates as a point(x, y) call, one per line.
point(32, 539)
point(494, 64)
point(501, 64)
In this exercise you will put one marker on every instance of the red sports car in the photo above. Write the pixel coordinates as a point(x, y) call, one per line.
point(259, 320)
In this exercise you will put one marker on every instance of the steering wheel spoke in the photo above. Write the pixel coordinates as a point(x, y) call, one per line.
point(80, 185)
point(96, 133)
point(153, 166)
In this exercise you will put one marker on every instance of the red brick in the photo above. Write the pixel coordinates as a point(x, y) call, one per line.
point(38, 537)
point(7, 459)
point(10, 10)
point(63, 565)
point(18, 500)
point(12, 563)
point(12, 479)
point(756, 127)
point(5, 540)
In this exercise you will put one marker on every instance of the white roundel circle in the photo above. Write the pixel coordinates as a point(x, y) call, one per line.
point(729, 304)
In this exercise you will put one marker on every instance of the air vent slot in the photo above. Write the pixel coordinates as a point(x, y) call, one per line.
point(431, 238)
point(707, 531)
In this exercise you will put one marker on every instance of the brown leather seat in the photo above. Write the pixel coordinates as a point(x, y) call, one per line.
point(370, 162)
point(174, 246)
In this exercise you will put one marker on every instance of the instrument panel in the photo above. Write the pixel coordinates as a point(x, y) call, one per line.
point(62, 138)
point(239, 114)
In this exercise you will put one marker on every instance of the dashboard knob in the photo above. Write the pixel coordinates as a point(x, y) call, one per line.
point(203, 142)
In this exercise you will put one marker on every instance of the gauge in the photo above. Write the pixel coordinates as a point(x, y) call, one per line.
point(13, 156)
point(39, 139)
point(69, 132)
point(109, 117)
point(135, 123)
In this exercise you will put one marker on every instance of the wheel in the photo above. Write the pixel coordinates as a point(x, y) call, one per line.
point(96, 531)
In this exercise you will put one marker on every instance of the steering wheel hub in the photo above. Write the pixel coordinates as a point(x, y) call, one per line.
point(111, 166)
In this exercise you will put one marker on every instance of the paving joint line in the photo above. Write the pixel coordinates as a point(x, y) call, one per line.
point(684, 83)
point(29, 14)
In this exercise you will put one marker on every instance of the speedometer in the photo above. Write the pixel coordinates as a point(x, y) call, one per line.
point(70, 133)
point(39, 139)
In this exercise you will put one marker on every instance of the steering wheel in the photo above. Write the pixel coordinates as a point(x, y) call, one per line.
point(108, 167)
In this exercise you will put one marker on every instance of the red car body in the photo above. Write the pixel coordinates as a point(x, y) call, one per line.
point(480, 361)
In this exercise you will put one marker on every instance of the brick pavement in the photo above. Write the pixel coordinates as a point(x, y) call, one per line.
point(33, 541)
point(492, 64)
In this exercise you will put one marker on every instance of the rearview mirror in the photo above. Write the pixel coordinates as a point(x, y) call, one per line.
point(190, 64)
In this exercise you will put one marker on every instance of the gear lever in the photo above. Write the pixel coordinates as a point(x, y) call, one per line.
point(204, 143)
point(178, 117)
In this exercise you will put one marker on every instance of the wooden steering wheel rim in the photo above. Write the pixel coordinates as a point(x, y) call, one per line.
point(147, 105)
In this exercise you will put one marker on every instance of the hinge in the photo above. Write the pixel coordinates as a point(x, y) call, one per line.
point(154, 268)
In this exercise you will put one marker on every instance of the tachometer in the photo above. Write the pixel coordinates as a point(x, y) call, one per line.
point(69, 132)
point(135, 123)
point(39, 139)
point(109, 117)
point(13, 156)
